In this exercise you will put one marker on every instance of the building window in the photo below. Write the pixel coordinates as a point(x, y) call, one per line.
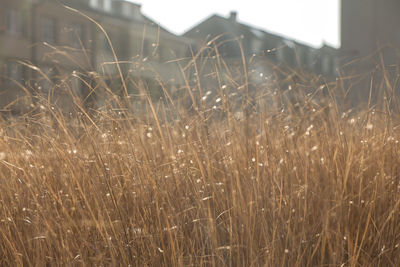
point(105, 44)
point(48, 30)
point(137, 14)
point(15, 72)
point(47, 80)
point(14, 22)
point(76, 36)
point(127, 10)
point(101, 4)
point(107, 5)
point(93, 3)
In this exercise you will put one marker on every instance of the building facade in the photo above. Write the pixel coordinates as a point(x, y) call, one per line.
point(368, 27)
point(227, 32)
point(15, 45)
point(370, 42)
point(61, 46)
point(81, 46)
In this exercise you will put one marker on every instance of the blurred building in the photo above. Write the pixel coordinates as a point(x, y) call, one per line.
point(15, 44)
point(370, 42)
point(72, 51)
point(368, 27)
point(234, 38)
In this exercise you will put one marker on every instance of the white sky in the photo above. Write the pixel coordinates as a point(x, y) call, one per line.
point(308, 21)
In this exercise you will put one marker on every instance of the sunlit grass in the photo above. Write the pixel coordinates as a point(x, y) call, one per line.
point(278, 174)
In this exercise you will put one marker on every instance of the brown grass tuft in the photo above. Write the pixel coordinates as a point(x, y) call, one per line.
point(269, 177)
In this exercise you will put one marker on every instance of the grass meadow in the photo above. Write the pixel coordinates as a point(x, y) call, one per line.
point(279, 173)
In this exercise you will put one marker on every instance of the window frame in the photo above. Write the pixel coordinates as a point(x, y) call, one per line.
point(76, 35)
point(14, 22)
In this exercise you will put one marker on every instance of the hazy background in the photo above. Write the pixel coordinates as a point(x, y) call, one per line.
point(309, 21)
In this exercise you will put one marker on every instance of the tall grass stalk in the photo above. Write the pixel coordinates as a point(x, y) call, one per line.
point(270, 174)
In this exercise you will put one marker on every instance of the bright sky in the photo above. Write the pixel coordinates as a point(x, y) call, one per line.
point(309, 21)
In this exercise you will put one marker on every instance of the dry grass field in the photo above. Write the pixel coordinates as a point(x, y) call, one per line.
point(302, 182)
